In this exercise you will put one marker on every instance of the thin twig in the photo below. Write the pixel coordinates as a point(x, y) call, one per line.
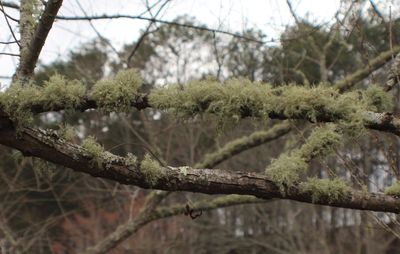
point(8, 24)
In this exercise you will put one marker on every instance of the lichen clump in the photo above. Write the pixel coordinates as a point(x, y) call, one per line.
point(94, 150)
point(117, 94)
point(378, 99)
point(321, 142)
point(239, 98)
point(151, 170)
point(394, 189)
point(326, 189)
point(19, 100)
point(288, 168)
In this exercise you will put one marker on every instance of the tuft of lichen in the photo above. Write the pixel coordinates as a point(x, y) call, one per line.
point(18, 100)
point(59, 92)
point(325, 189)
point(151, 170)
point(378, 99)
point(67, 132)
point(321, 142)
point(117, 94)
point(394, 189)
point(94, 150)
point(230, 99)
point(286, 170)
point(130, 160)
point(238, 98)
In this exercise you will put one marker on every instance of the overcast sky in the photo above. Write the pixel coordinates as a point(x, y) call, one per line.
point(270, 16)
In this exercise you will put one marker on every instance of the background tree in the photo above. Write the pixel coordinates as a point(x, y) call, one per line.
point(48, 208)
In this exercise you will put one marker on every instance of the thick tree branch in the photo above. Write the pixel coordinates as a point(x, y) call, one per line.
point(31, 51)
point(209, 181)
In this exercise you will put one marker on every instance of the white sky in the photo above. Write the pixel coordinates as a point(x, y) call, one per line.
point(270, 16)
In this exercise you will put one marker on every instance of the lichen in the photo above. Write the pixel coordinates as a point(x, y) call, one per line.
point(67, 132)
point(130, 160)
point(151, 170)
point(59, 92)
point(94, 150)
point(332, 190)
point(18, 100)
point(286, 170)
point(394, 189)
point(239, 97)
point(321, 142)
point(117, 94)
point(378, 99)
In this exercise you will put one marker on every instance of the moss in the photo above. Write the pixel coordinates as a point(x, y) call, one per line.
point(394, 189)
point(151, 170)
point(321, 142)
point(378, 99)
point(286, 170)
point(332, 190)
point(117, 94)
point(94, 150)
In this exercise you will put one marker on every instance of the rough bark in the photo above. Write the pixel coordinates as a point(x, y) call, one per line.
point(50, 147)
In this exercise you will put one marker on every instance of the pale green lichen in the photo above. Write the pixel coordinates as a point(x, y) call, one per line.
point(286, 170)
point(67, 132)
point(151, 170)
point(117, 94)
point(394, 189)
point(59, 92)
point(239, 97)
point(378, 99)
point(130, 160)
point(18, 100)
point(229, 99)
point(321, 142)
point(94, 150)
point(326, 189)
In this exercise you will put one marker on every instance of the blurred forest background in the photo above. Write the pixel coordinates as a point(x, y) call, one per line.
point(47, 209)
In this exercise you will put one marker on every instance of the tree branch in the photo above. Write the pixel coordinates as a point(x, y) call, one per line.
point(30, 52)
point(50, 147)
point(376, 63)
point(146, 216)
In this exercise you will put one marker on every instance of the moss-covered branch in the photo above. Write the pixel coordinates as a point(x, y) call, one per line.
point(149, 215)
point(210, 181)
point(289, 167)
point(34, 34)
point(376, 63)
point(244, 143)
